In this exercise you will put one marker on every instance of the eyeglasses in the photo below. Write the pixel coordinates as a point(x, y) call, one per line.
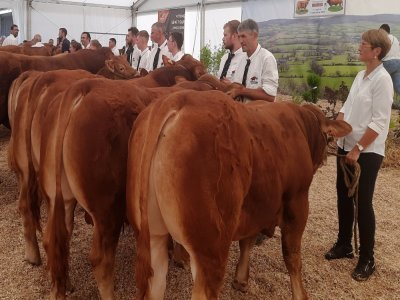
point(366, 45)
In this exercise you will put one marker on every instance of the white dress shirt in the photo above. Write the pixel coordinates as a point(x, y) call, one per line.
point(10, 40)
point(135, 56)
point(144, 59)
point(38, 45)
point(177, 56)
point(239, 56)
point(394, 52)
point(164, 51)
point(263, 71)
point(368, 106)
point(115, 51)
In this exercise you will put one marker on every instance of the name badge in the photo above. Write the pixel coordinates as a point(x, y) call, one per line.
point(254, 80)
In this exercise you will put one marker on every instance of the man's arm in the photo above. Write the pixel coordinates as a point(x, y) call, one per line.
point(253, 94)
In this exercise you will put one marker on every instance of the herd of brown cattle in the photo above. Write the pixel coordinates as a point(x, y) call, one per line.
point(171, 152)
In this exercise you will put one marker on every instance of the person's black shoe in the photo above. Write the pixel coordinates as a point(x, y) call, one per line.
point(339, 251)
point(363, 270)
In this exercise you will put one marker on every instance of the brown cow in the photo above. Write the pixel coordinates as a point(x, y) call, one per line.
point(208, 170)
point(12, 65)
point(30, 95)
point(302, 5)
point(40, 51)
point(83, 158)
point(335, 2)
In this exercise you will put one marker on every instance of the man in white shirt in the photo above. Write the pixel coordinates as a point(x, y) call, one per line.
point(160, 47)
point(12, 38)
point(258, 73)
point(174, 44)
point(37, 41)
point(144, 52)
point(131, 49)
point(85, 39)
point(112, 44)
point(391, 61)
point(230, 61)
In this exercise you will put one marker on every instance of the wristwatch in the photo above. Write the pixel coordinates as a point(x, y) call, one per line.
point(360, 147)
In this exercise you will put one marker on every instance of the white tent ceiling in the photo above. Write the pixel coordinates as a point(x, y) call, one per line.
point(204, 19)
point(104, 2)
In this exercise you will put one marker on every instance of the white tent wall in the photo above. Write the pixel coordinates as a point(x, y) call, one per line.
point(102, 22)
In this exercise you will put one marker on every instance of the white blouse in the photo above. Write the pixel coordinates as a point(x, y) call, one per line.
point(368, 106)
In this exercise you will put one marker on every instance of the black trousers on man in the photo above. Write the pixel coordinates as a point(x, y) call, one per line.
point(370, 164)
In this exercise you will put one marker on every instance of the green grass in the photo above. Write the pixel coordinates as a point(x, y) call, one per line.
point(344, 70)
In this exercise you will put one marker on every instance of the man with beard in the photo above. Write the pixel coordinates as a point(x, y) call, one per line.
point(12, 38)
point(231, 59)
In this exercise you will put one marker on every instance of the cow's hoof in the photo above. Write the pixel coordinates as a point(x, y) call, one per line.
point(34, 261)
point(240, 286)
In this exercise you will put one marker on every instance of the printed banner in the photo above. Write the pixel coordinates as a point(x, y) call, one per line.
point(325, 46)
point(317, 8)
point(173, 20)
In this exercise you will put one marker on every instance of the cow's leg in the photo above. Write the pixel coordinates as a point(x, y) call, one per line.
point(28, 185)
point(159, 264)
point(243, 266)
point(70, 206)
point(295, 218)
point(207, 265)
point(102, 256)
point(28, 193)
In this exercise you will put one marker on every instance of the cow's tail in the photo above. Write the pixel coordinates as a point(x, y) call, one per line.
point(149, 126)
point(57, 236)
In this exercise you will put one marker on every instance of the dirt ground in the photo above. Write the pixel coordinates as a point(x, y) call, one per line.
point(268, 276)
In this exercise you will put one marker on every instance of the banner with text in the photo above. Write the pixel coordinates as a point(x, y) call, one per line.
point(173, 20)
point(318, 8)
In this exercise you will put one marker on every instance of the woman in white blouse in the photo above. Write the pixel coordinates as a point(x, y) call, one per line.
point(367, 109)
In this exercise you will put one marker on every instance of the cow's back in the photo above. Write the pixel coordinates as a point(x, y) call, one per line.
point(14, 64)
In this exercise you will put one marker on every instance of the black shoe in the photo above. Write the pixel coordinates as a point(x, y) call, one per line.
point(364, 269)
point(339, 251)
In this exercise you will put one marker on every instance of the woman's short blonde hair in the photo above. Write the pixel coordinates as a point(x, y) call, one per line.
point(378, 38)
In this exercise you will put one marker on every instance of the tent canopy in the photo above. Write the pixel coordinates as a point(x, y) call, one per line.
point(204, 19)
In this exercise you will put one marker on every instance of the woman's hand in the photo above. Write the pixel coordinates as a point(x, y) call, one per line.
point(352, 156)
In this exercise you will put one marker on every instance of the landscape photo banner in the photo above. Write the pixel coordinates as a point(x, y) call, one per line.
point(318, 8)
point(173, 20)
point(324, 46)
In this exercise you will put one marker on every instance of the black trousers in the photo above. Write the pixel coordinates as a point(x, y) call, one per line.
point(370, 164)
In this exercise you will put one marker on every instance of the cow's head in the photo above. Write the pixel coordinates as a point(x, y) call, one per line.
point(333, 128)
point(120, 68)
point(320, 131)
point(195, 67)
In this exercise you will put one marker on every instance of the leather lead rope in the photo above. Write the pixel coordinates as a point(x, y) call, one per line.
point(351, 180)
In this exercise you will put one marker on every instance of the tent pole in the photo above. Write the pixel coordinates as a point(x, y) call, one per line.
point(28, 19)
point(202, 23)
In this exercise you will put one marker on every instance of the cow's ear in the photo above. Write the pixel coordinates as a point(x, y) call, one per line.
point(336, 128)
point(110, 65)
point(143, 72)
point(199, 71)
point(167, 61)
